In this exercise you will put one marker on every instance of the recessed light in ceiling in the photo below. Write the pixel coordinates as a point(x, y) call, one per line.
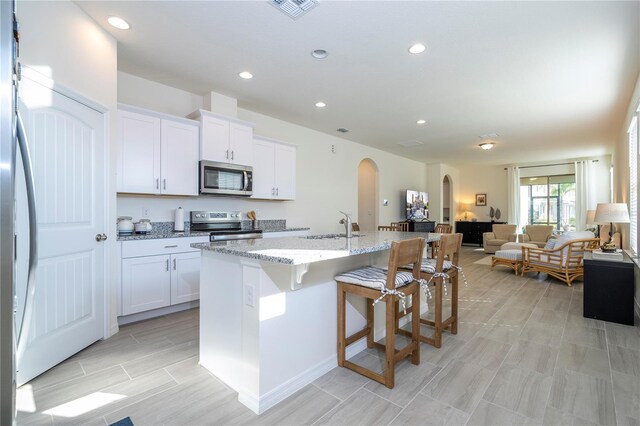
point(421, 121)
point(118, 23)
point(321, 104)
point(294, 8)
point(246, 75)
point(487, 145)
point(319, 54)
point(417, 48)
point(343, 130)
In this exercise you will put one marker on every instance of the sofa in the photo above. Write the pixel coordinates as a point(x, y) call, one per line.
point(562, 258)
point(537, 234)
point(492, 241)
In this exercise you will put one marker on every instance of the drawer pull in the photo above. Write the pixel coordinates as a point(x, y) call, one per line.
point(172, 246)
point(167, 264)
point(174, 264)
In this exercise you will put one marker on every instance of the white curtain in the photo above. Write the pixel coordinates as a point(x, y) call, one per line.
point(513, 190)
point(585, 196)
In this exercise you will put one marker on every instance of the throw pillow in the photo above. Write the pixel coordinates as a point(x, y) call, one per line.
point(550, 244)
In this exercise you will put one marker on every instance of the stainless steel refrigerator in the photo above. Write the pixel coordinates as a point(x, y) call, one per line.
point(7, 178)
point(15, 169)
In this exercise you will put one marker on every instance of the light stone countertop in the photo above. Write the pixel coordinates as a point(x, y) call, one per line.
point(171, 234)
point(314, 248)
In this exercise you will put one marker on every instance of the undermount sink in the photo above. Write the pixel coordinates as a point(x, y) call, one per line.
point(329, 236)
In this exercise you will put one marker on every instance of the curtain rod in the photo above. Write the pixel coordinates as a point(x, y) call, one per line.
point(549, 165)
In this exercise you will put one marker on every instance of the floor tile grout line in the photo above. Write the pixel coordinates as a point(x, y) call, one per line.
point(613, 393)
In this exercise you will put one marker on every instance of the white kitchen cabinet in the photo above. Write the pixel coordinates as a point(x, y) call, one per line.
point(157, 153)
point(185, 277)
point(159, 273)
point(224, 139)
point(274, 169)
point(146, 283)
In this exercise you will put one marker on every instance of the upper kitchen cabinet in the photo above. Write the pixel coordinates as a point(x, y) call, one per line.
point(157, 153)
point(224, 139)
point(274, 169)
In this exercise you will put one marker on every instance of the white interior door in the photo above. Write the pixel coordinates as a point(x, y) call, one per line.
point(67, 145)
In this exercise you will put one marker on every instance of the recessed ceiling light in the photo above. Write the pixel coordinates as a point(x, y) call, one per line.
point(421, 121)
point(246, 75)
point(319, 54)
point(118, 23)
point(321, 104)
point(486, 145)
point(417, 48)
point(343, 130)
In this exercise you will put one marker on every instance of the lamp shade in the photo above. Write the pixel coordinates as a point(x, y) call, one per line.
point(611, 213)
point(591, 217)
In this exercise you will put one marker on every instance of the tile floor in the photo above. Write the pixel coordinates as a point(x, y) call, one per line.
point(523, 355)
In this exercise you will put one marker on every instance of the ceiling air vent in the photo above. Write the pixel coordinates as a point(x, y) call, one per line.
point(342, 130)
point(294, 8)
point(410, 144)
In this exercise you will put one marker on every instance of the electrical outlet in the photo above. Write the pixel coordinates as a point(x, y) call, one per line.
point(146, 212)
point(249, 295)
point(333, 149)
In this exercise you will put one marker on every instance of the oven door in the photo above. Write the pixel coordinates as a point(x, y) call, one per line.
point(225, 179)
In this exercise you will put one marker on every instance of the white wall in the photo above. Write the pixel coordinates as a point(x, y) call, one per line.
point(62, 42)
point(327, 181)
point(474, 180)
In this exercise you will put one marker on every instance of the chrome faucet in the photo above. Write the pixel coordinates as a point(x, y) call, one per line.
point(347, 225)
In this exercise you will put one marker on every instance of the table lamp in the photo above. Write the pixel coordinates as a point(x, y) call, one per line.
point(611, 213)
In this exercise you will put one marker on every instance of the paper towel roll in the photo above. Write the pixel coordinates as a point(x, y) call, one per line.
point(178, 223)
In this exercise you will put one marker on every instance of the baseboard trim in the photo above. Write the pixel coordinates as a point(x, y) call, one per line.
point(260, 404)
point(141, 316)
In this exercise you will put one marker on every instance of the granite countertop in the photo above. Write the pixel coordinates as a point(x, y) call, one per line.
point(164, 233)
point(314, 248)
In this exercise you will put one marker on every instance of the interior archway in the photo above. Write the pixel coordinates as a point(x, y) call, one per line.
point(447, 196)
point(367, 195)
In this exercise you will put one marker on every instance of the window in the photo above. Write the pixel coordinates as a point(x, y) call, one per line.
point(633, 184)
point(549, 200)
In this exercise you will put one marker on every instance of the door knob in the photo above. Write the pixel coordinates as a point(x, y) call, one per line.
point(101, 237)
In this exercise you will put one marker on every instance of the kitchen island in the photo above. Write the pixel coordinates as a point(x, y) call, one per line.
point(268, 309)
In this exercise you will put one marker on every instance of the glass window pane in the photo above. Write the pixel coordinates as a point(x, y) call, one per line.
point(553, 210)
point(539, 212)
point(538, 190)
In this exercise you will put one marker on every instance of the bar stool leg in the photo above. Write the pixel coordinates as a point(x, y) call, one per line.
point(370, 341)
point(454, 304)
point(437, 337)
point(415, 326)
point(341, 326)
point(390, 343)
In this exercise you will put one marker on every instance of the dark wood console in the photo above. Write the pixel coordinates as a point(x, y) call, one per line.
point(472, 231)
point(609, 287)
point(424, 226)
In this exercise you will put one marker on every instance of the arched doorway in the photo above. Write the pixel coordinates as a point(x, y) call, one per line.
point(447, 196)
point(367, 195)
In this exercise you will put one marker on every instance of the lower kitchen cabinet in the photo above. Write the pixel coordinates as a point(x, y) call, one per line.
point(159, 273)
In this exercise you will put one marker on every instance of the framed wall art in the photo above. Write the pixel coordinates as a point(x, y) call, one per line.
point(481, 199)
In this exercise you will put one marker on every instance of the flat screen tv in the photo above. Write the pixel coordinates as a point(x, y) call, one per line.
point(417, 207)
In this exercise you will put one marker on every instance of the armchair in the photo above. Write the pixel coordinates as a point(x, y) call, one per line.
point(564, 261)
point(492, 241)
point(537, 234)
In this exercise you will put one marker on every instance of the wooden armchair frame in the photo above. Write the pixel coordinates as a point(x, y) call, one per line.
point(564, 263)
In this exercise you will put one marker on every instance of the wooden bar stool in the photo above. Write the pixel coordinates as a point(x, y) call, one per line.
point(387, 228)
point(444, 266)
point(375, 285)
point(441, 228)
point(401, 226)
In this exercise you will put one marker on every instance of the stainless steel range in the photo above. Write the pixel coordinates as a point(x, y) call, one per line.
point(223, 226)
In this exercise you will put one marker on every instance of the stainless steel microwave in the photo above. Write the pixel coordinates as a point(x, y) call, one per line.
point(225, 179)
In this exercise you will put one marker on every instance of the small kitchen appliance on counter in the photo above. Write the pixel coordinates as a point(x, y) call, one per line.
point(125, 225)
point(223, 226)
point(143, 227)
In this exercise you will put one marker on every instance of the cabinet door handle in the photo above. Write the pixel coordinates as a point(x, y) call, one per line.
point(167, 264)
point(226, 155)
point(158, 183)
point(174, 264)
point(164, 184)
point(273, 191)
point(232, 154)
point(171, 246)
point(277, 191)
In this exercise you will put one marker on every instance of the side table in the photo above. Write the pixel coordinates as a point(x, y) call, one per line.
point(609, 287)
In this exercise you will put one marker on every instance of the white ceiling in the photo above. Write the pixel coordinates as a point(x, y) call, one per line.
point(553, 79)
